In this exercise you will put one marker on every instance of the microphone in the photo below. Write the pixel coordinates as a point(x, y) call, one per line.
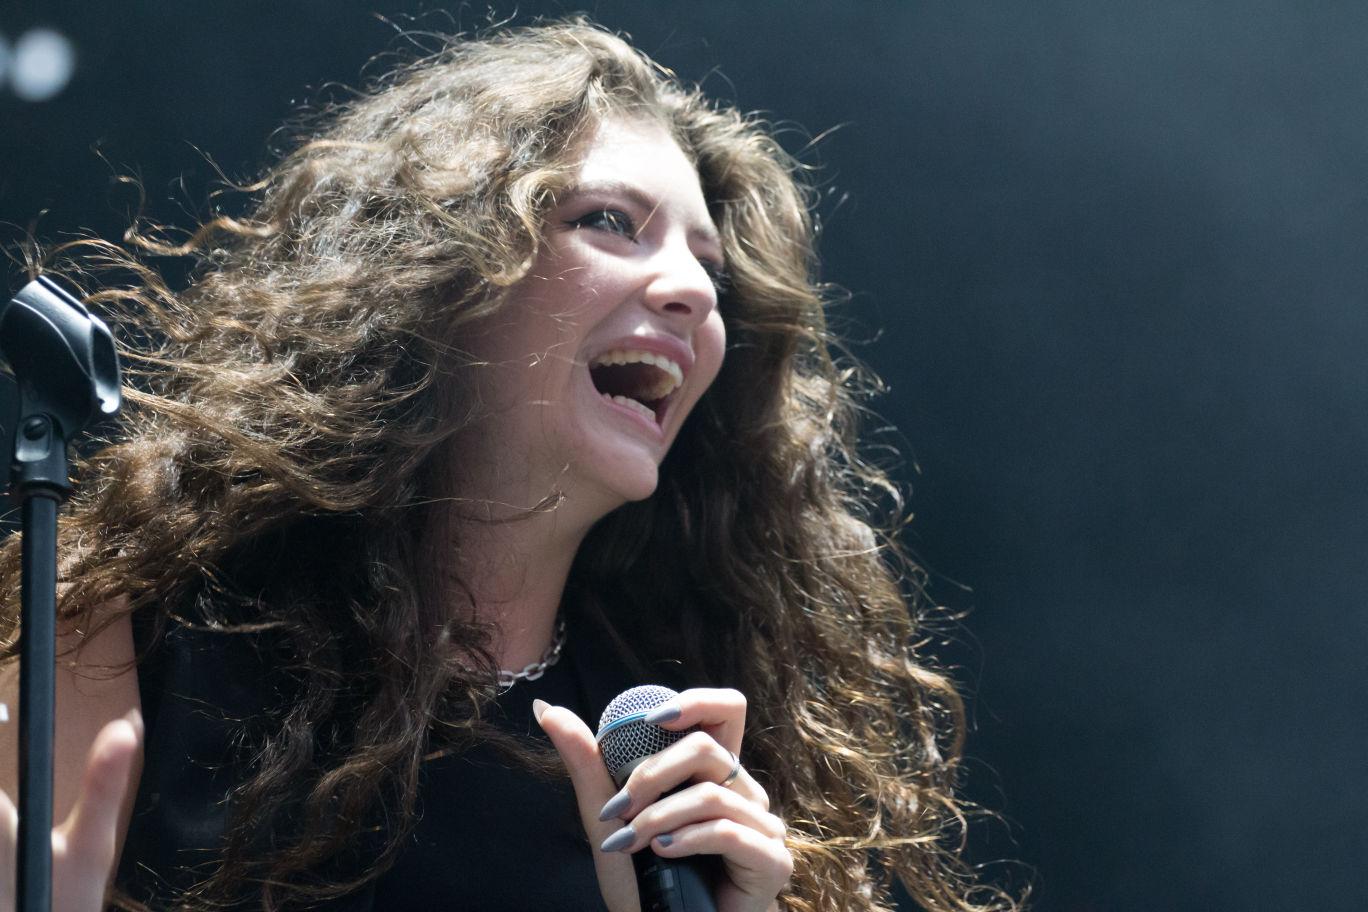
point(625, 739)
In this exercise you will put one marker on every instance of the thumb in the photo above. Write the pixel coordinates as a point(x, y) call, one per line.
point(87, 839)
point(593, 788)
point(9, 836)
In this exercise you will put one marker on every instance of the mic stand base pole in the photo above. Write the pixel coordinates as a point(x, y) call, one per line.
point(37, 700)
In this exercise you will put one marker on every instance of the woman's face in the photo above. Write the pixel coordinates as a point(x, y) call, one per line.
point(608, 343)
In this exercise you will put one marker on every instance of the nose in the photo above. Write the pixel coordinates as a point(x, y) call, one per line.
point(679, 287)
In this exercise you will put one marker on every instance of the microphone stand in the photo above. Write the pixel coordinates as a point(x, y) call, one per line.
point(68, 373)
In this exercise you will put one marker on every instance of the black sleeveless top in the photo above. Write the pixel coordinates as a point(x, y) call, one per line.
point(487, 835)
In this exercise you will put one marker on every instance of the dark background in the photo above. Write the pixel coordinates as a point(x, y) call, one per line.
point(1110, 258)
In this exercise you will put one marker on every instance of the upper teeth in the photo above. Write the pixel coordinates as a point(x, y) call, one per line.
point(633, 356)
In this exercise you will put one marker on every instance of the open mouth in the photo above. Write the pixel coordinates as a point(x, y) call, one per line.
point(639, 380)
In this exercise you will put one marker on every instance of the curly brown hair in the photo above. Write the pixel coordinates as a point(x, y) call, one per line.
point(302, 387)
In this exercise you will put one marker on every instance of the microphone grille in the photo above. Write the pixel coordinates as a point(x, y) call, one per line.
point(623, 734)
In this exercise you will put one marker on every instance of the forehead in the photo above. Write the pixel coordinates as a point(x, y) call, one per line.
point(642, 154)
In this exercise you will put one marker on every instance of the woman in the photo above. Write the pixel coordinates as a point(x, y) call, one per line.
point(451, 402)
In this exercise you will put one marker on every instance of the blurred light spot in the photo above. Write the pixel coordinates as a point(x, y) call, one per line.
point(41, 65)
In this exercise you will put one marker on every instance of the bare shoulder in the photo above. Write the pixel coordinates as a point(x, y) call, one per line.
point(97, 682)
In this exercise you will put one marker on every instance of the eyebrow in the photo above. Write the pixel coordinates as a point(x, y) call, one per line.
point(643, 200)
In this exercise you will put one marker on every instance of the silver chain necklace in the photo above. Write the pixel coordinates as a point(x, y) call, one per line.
point(534, 671)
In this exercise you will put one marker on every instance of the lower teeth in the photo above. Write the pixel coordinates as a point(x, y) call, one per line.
point(632, 404)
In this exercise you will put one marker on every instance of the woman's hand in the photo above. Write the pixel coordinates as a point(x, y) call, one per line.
point(83, 845)
point(706, 818)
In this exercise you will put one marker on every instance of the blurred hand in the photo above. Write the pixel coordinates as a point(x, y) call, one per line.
point(83, 845)
point(706, 818)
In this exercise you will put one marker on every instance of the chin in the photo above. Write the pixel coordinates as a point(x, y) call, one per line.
point(636, 486)
point(630, 483)
point(612, 469)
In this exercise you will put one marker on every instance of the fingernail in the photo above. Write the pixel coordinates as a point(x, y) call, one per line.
point(619, 840)
point(664, 839)
point(539, 707)
point(616, 805)
point(666, 713)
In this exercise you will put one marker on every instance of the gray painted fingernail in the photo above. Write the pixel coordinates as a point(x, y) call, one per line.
point(663, 714)
point(616, 805)
point(664, 839)
point(619, 840)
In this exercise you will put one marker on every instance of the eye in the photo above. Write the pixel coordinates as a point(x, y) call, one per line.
point(613, 220)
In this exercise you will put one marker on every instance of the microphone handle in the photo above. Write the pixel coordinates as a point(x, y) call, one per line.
point(675, 884)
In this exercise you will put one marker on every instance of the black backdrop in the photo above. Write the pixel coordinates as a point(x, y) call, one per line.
point(1110, 258)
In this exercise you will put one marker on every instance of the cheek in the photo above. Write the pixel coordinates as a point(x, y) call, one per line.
point(710, 345)
point(526, 333)
point(572, 278)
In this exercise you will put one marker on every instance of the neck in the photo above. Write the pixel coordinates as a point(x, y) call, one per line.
point(515, 572)
point(509, 553)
